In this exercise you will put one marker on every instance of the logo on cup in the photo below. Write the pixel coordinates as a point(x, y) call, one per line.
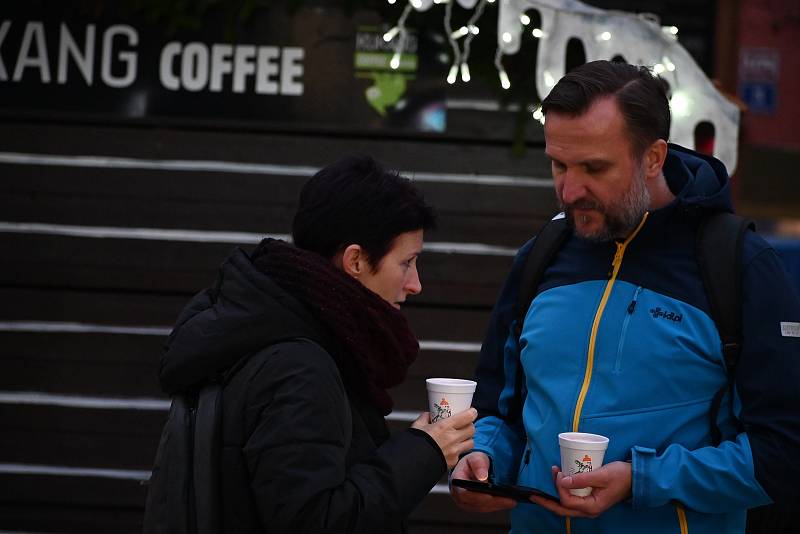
point(584, 466)
point(442, 410)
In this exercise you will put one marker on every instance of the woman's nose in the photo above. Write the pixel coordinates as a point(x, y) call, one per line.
point(413, 285)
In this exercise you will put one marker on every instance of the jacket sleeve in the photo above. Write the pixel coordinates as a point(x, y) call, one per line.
point(500, 392)
point(296, 455)
point(759, 465)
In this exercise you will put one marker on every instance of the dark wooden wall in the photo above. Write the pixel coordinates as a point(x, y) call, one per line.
point(86, 302)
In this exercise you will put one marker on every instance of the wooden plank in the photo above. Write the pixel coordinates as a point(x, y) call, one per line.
point(92, 438)
point(506, 216)
point(160, 310)
point(34, 490)
point(462, 156)
point(42, 518)
point(72, 348)
point(462, 227)
point(172, 189)
point(55, 374)
point(82, 377)
point(103, 307)
point(146, 265)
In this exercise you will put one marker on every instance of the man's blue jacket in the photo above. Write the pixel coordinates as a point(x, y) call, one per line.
point(619, 341)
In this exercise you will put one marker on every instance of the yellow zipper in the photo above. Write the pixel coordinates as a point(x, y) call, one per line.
point(587, 377)
point(682, 519)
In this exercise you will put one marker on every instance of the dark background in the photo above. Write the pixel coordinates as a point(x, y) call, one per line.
point(118, 204)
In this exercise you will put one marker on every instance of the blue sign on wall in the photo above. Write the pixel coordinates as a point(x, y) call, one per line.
point(760, 97)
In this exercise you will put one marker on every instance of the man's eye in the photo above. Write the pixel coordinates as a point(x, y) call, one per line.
point(595, 169)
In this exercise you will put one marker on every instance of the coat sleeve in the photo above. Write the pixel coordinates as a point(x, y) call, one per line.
point(498, 431)
point(759, 464)
point(296, 455)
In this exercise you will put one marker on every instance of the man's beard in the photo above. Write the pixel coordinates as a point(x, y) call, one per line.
point(619, 218)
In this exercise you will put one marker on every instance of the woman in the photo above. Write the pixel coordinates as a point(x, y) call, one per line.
point(307, 339)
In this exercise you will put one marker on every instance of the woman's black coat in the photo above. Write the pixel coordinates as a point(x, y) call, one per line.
point(304, 451)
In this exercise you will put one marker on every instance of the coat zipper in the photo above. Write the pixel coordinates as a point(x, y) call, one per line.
point(682, 522)
point(623, 334)
point(587, 377)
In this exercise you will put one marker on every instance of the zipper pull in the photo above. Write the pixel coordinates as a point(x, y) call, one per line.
point(632, 305)
point(527, 456)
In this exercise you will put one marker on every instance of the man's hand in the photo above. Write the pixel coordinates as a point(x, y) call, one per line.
point(611, 483)
point(475, 466)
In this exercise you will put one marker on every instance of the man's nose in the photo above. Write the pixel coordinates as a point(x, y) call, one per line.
point(413, 285)
point(573, 189)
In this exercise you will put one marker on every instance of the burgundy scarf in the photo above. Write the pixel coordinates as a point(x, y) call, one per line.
point(378, 345)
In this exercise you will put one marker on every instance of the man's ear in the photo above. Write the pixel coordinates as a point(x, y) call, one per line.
point(654, 158)
point(354, 261)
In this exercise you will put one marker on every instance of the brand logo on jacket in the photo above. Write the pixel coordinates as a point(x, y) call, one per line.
point(668, 315)
point(790, 329)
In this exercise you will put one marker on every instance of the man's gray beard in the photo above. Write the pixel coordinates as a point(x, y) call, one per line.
point(621, 217)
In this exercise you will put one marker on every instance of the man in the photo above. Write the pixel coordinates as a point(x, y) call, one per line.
point(597, 356)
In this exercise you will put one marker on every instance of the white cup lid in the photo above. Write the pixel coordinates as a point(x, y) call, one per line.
point(582, 440)
point(451, 385)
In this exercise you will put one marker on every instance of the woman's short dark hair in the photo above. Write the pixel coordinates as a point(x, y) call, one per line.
point(641, 96)
point(356, 201)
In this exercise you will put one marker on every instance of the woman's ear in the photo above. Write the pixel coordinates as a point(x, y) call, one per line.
point(354, 261)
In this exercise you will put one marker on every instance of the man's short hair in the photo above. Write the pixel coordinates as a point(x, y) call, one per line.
point(356, 201)
point(640, 95)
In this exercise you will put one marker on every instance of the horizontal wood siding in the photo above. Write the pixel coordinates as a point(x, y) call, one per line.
point(85, 314)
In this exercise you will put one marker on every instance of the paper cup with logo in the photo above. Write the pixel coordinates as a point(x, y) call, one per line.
point(581, 453)
point(448, 396)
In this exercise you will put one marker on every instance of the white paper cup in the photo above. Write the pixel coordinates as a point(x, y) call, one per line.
point(448, 396)
point(581, 453)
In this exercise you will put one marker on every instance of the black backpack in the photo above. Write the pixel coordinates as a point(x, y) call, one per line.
point(719, 250)
point(183, 490)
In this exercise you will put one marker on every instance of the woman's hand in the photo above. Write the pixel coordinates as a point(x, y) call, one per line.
point(453, 435)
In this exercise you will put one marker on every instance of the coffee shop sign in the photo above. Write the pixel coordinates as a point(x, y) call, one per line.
point(195, 66)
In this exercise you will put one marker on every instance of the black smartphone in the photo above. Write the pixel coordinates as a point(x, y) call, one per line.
point(518, 493)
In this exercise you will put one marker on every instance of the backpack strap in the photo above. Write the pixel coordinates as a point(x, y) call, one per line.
point(206, 459)
point(719, 256)
point(548, 242)
point(178, 437)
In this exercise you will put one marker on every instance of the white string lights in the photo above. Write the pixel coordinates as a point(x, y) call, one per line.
point(639, 38)
point(467, 32)
point(400, 32)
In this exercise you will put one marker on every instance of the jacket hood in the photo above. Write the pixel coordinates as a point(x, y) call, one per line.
point(241, 314)
point(697, 180)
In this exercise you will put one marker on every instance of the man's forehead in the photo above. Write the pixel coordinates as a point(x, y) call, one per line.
point(577, 153)
point(603, 115)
